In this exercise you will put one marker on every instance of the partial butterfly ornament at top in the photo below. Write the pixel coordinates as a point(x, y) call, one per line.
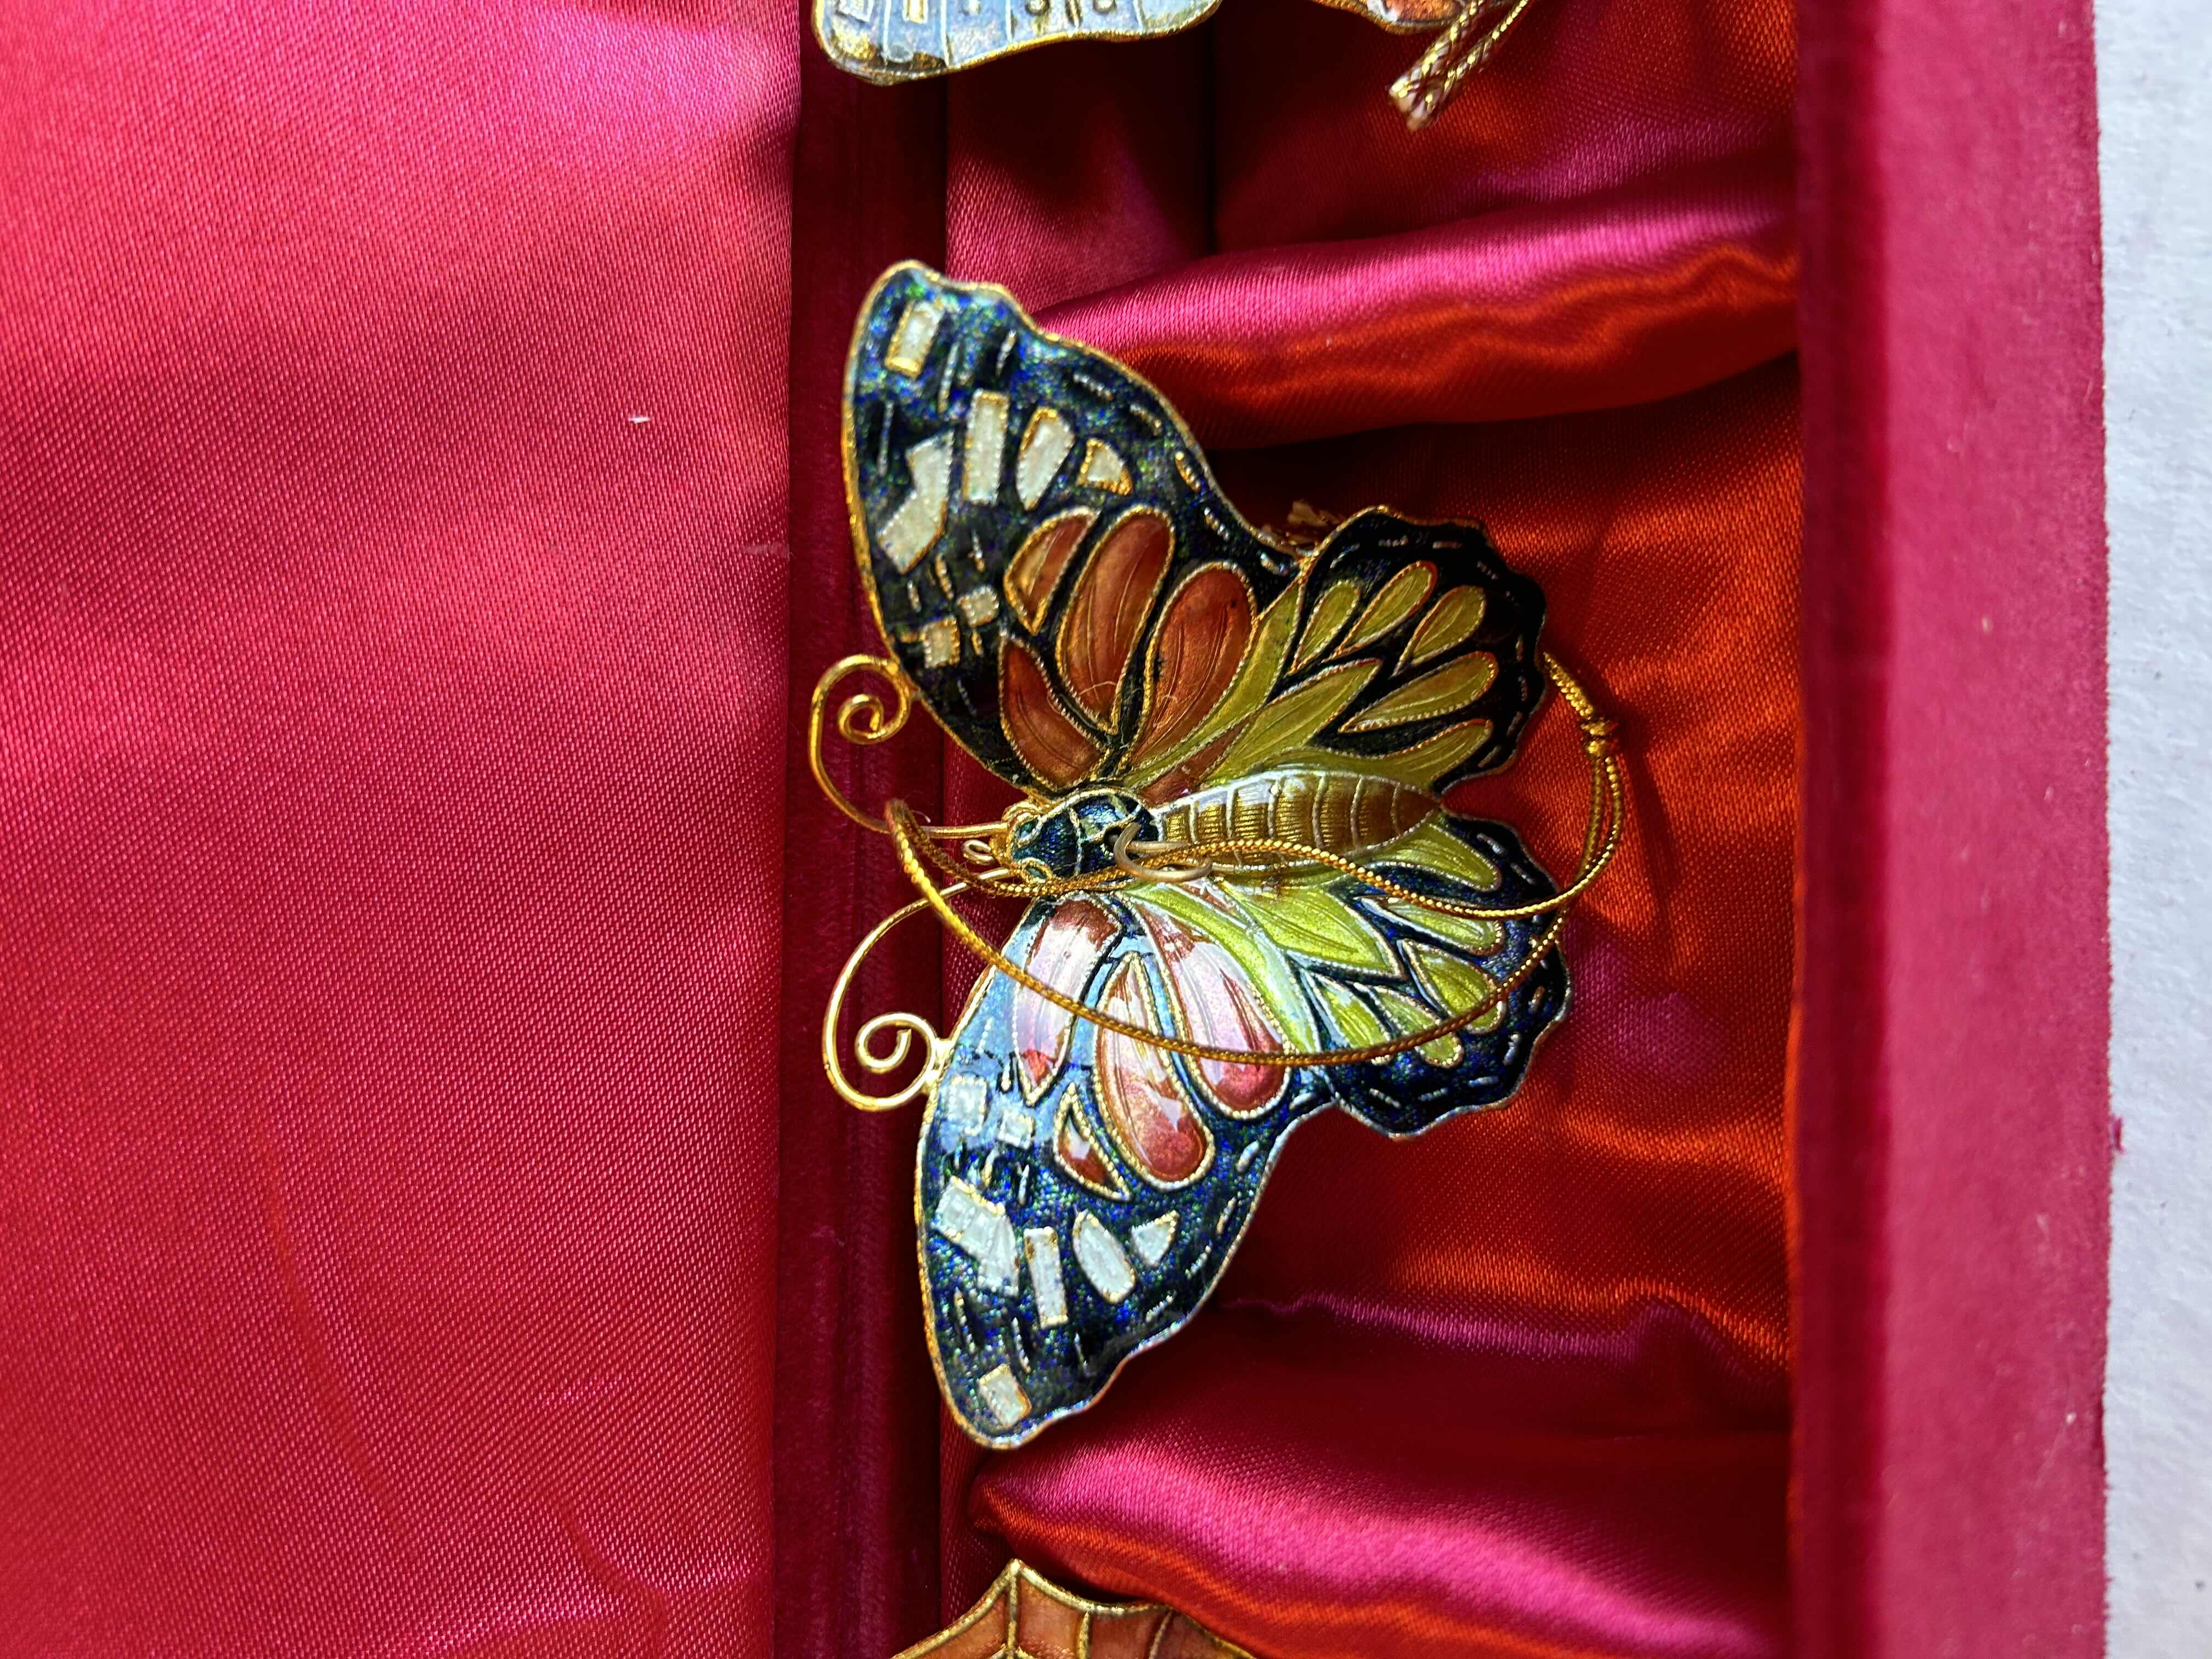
point(1247, 900)
point(893, 41)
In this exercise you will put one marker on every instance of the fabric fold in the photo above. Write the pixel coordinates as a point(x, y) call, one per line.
point(1348, 1504)
point(1637, 293)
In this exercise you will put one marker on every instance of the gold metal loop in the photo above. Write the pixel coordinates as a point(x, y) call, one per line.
point(1124, 847)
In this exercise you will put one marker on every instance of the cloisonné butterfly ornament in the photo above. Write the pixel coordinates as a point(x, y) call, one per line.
point(1246, 900)
point(893, 41)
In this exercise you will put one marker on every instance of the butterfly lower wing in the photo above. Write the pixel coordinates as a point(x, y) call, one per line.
point(1375, 967)
point(1079, 1191)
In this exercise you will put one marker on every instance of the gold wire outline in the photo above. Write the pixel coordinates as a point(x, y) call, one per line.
point(1603, 832)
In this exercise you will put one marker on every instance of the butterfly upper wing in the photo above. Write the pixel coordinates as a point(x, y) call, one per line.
point(1403, 650)
point(1058, 575)
point(1025, 510)
point(1080, 1190)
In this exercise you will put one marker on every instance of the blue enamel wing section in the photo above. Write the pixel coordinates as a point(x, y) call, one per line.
point(1040, 1286)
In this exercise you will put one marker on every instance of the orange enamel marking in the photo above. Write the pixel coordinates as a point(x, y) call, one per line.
point(1140, 1098)
point(1216, 1003)
point(1036, 568)
point(1113, 593)
point(1199, 644)
point(1046, 740)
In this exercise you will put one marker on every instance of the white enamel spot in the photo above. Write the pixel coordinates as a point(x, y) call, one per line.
point(917, 330)
point(1041, 1246)
point(1002, 1396)
point(1101, 1258)
point(1150, 1239)
point(1017, 1126)
point(1044, 446)
point(939, 638)
point(1104, 469)
point(962, 1100)
point(987, 446)
point(909, 532)
point(980, 1227)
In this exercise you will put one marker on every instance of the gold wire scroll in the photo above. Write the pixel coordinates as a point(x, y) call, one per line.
point(915, 844)
point(862, 719)
point(902, 1028)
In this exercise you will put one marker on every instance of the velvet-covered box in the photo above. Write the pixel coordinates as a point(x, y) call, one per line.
point(429, 1230)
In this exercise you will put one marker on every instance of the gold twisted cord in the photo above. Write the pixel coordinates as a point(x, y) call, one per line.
point(1426, 88)
point(905, 836)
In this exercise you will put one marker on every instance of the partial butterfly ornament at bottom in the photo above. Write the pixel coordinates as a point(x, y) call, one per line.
point(1247, 899)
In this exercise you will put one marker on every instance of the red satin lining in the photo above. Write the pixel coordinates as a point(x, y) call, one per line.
point(1590, 96)
point(1601, 1269)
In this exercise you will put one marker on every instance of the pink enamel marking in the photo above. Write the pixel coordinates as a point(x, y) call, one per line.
point(1139, 1096)
point(1217, 1003)
point(1064, 954)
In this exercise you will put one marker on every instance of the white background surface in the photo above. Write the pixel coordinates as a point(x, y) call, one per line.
point(2154, 97)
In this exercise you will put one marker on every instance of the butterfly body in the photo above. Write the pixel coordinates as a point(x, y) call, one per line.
point(1076, 836)
point(1251, 902)
point(1348, 813)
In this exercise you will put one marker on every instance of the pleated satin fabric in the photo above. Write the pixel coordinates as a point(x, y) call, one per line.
point(427, 1228)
